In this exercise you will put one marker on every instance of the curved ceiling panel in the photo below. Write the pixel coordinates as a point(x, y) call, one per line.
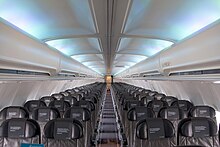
point(170, 19)
point(93, 61)
point(130, 58)
point(76, 46)
point(45, 19)
point(88, 57)
point(124, 61)
point(142, 46)
point(112, 35)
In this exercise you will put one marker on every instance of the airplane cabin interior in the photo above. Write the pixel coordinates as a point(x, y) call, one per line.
point(109, 73)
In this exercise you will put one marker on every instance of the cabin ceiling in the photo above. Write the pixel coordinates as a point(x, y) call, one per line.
point(110, 36)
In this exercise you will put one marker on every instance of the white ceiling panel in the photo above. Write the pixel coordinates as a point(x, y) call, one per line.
point(110, 36)
point(130, 58)
point(142, 46)
point(48, 19)
point(88, 57)
point(170, 19)
point(75, 46)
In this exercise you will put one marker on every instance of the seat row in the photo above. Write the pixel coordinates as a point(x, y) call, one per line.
point(56, 133)
point(152, 104)
point(62, 119)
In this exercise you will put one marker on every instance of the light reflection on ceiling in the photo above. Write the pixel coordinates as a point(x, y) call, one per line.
point(69, 26)
point(76, 46)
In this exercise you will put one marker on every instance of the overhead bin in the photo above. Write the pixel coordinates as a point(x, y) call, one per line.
point(195, 56)
point(147, 67)
point(20, 53)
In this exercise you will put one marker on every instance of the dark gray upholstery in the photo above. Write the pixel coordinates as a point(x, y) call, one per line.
point(158, 96)
point(13, 112)
point(61, 105)
point(169, 99)
point(70, 99)
point(58, 96)
point(15, 131)
point(145, 100)
point(135, 114)
point(63, 132)
point(43, 114)
point(152, 93)
point(156, 105)
point(173, 114)
point(155, 132)
point(84, 116)
point(198, 131)
point(48, 99)
point(183, 104)
point(95, 103)
point(128, 103)
point(65, 93)
point(33, 104)
point(202, 111)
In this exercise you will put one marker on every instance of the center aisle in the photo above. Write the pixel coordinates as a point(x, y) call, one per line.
point(109, 134)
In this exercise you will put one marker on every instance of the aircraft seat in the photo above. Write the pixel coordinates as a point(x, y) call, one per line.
point(84, 116)
point(15, 131)
point(134, 115)
point(47, 99)
point(13, 112)
point(70, 99)
point(169, 99)
point(63, 132)
point(173, 114)
point(202, 111)
point(198, 131)
point(155, 132)
point(183, 104)
point(43, 114)
point(61, 105)
point(145, 100)
point(156, 105)
point(33, 104)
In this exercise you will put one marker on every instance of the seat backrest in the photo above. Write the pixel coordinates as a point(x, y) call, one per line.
point(44, 114)
point(139, 113)
point(63, 132)
point(85, 104)
point(145, 100)
point(15, 131)
point(91, 98)
point(13, 112)
point(47, 99)
point(33, 104)
point(130, 103)
point(172, 113)
point(169, 99)
point(156, 105)
point(79, 113)
point(70, 99)
point(84, 116)
point(183, 104)
point(152, 93)
point(61, 105)
point(158, 96)
point(202, 111)
point(198, 131)
point(57, 96)
point(155, 132)
point(65, 93)
point(70, 91)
